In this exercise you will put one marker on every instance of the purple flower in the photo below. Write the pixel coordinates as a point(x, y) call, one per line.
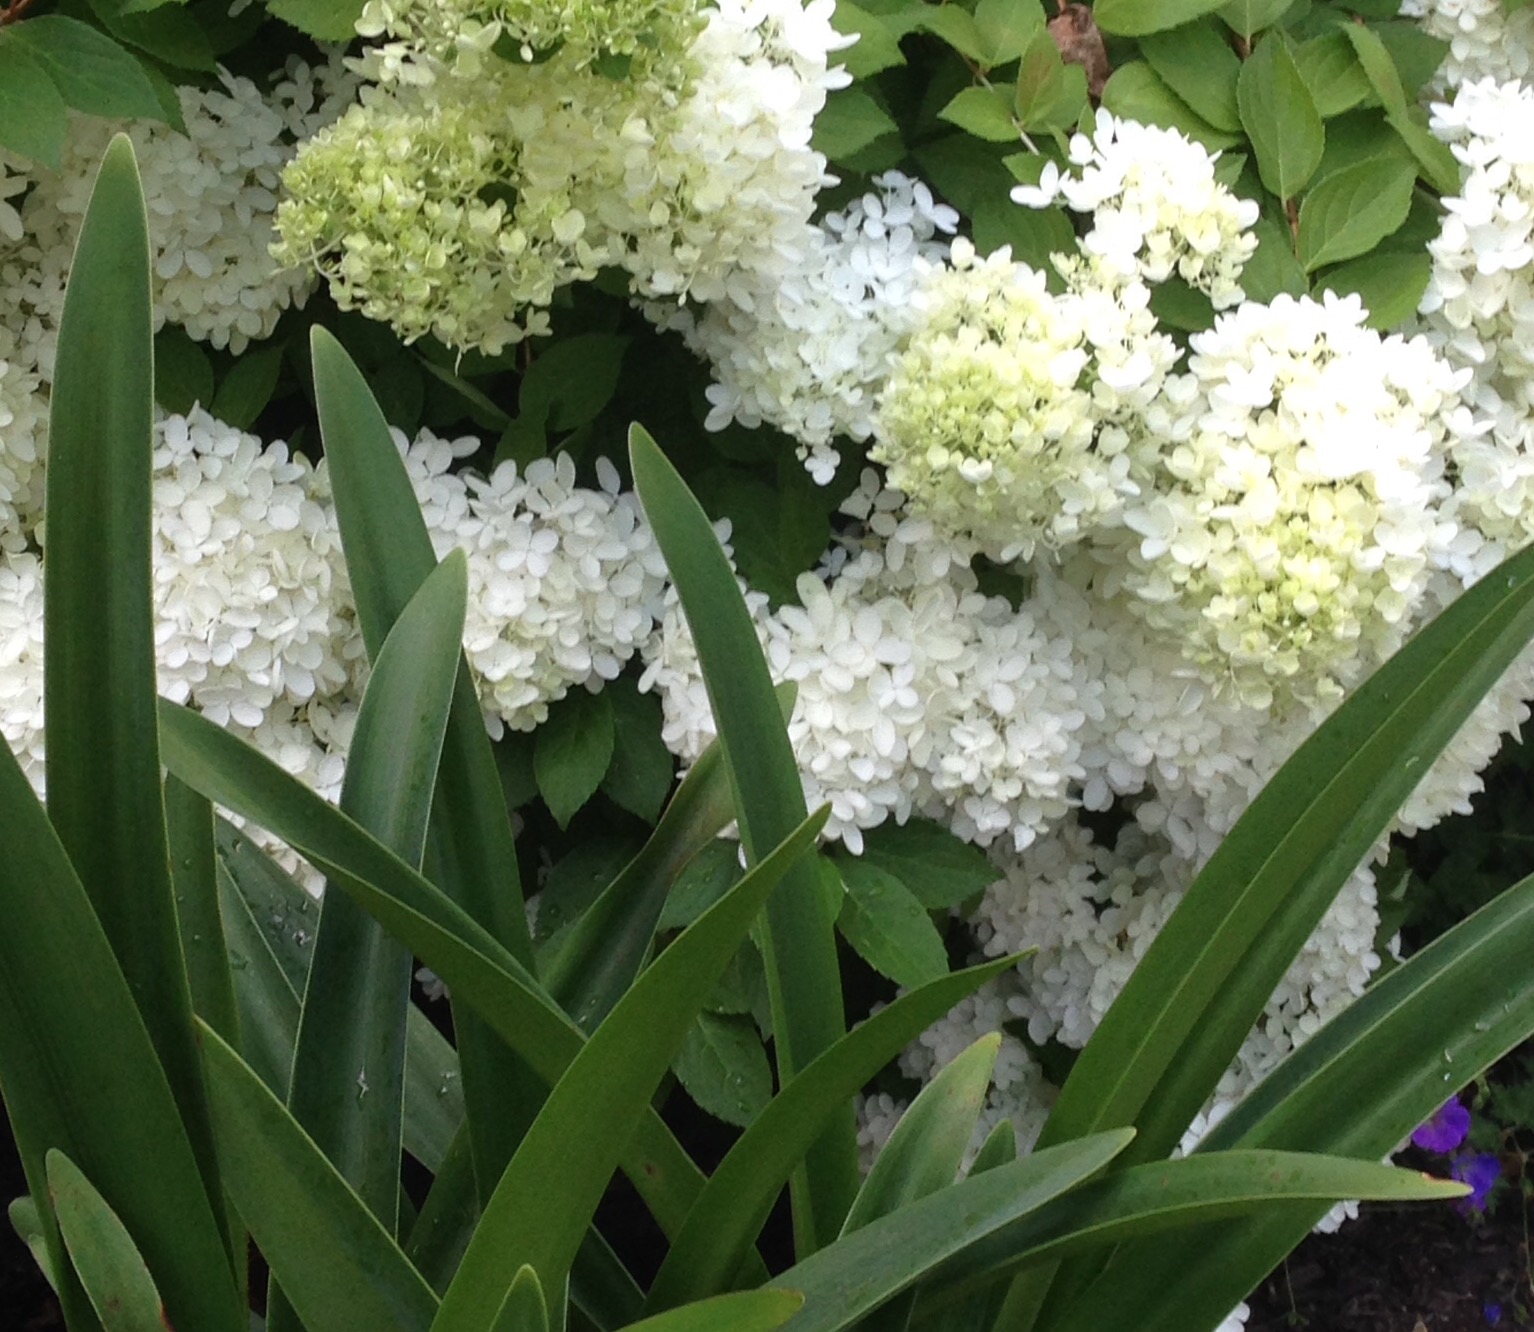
point(1446, 1130)
point(1480, 1170)
point(1492, 1312)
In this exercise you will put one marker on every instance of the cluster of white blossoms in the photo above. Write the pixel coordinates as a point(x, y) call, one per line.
point(1157, 211)
point(806, 348)
point(1487, 39)
point(505, 151)
point(1008, 414)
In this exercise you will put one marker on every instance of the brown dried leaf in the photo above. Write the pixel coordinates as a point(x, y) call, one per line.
point(1080, 43)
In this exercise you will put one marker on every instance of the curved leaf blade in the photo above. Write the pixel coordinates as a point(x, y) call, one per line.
point(110, 1267)
point(743, 1311)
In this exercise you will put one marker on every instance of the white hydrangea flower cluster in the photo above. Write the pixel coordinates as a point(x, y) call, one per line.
point(916, 692)
point(1487, 39)
point(1009, 414)
point(1288, 533)
point(466, 186)
point(806, 348)
point(1157, 211)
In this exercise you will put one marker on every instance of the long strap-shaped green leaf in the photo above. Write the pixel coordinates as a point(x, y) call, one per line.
point(803, 981)
point(551, 1189)
point(349, 1062)
point(709, 1251)
point(1356, 1088)
point(79, 1072)
point(743, 1311)
point(1191, 1000)
point(99, 680)
point(239, 777)
point(470, 854)
point(337, 1264)
point(1179, 1196)
point(113, 1271)
point(848, 1280)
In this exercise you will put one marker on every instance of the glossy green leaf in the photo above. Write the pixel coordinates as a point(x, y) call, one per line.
point(877, 46)
point(983, 113)
point(1439, 167)
point(735, 1203)
point(1161, 1048)
point(888, 927)
point(480, 971)
point(183, 374)
point(524, 1309)
point(34, 117)
point(799, 943)
point(850, 121)
point(1350, 211)
point(110, 1267)
point(722, 1065)
point(743, 1311)
point(324, 20)
point(1358, 1088)
point(546, 1198)
point(1135, 91)
point(1377, 65)
point(1135, 18)
point(1280, 118)
point(265, 998)
point(1174, 1196)
point(469, 849)
point(168, 34)
point(572, 380)
point(244, 392)
point(68, 1028)
point(1273, 269)
point(925, 1150)
point(850, 1279)
point(936, 866)
point(979, 1311)
point(954, 25)
point(1332, 72)
point(337, 1264)
point(1196, 63)
point(91, 71)
point(572, 751)
point(1005, 29)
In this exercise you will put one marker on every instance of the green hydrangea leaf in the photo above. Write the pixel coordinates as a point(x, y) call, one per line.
point(1197, 64)
point(324, 20)
point(955, 26)
point(983, 113)
point(572, 751)
point(706, 878)
point(878, 46)
point(939, 869)
point(1417, 54)
point(573, 379)
point(1377, 64)
point(33, 115)
point(1249, 17)
point(1136, 92)
point(1136, 18)
point(1006, 28)
point(850, 122)
point(1049, 93)
point(1273, 269)
point(889, 928)
point(724, 1068)
point(642, 769)
point(1280, 118)
point(1333, 73)
point(1350, 211)
point(249, 385)
point(92, 72)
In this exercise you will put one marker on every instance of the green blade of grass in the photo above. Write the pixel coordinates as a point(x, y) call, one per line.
point(799, 942)
point(99, 678)
point(110, 1267)
point(734, 1205)
point(470, 853)
point(337, 1263)
point(743, 1311)
point(546, 1198)
point(194, 878)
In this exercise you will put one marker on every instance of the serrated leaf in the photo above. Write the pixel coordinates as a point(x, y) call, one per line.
point(983, 113)
point(1417, 54)
point(724, 1068)
point(1199, 66)
point(248, 387)
point(849, 122)
point(1440, 168)
point(324, 20)
point(1136, 92)
point(1377, 64)
point(1049, 94)
point(1273, 269)
point(877, 46)
point(778, 531)
point(1332, 72)
point(642, 769)
point(1034, 234)
point(888, 927)
point(1249, 17)
point(33, 115)
point(571, 752)
point(1280, 118)
point(939, 868)
point(708, 876)
point(1136, 18)
point(955, 26)
point(1006, 28)
point(168, 34)
point(1390, 285)
point(577, 880)
point(91, 71)
point(1350, 211)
